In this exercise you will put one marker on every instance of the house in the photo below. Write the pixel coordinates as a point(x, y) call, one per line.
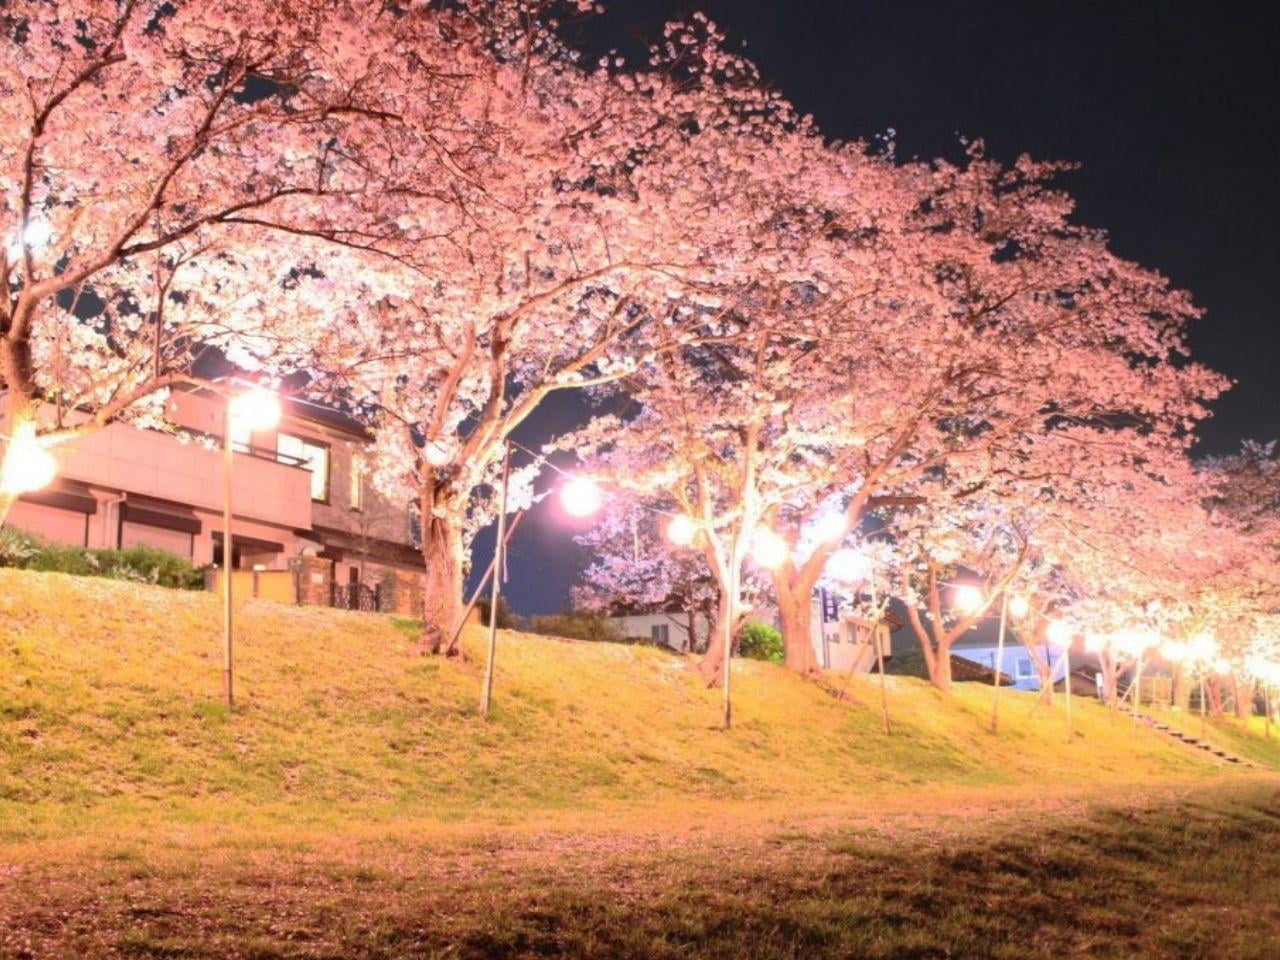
point(302, 501)
point(841, 641)
point(1017, 664)
point(670, 626)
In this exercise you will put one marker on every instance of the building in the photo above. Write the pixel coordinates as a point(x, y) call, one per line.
point(1016, 663)
point(302, 501)
point(841, 641)
point(671, 627)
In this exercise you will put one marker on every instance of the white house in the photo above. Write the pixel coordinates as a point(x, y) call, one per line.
point(841, 641)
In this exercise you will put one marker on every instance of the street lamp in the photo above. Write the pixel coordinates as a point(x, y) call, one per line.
point(1060, 633)
point(28, 466)
point(851, 567)
point(681, 530)
point(967, 598)
point(580, 497)
point(251, 411)
point(768, 549)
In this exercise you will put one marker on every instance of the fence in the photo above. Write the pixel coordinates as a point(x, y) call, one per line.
point(355, 596)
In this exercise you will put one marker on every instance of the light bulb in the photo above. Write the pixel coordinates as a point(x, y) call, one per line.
point(681, 530)
point(849, 565)
point(256, 409)
point(768, 549)
point(580, 497)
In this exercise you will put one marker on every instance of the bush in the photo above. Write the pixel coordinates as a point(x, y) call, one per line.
point(506, 619)
point(759, 641)
point(141, 564)
point(576, 625)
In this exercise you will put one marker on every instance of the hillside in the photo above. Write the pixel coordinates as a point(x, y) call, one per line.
point(109, 707)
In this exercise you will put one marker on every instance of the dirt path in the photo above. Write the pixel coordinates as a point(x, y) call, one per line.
point(954, 873)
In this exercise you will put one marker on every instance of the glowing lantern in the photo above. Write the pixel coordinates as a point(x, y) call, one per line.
point(768, 549)
point(681, 530)
point(28, 466)
point(1202, 647)
point(255, 410)
point(580, 497)
point(829, 527)
point(968, 598)
point(37, 234)
point(849, 565)
point(1173, 651)
point(1059, 633)
point(1018, 605)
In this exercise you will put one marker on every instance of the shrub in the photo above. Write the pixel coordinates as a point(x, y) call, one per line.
point(759, 641)
point(141, 564)
point(576, 625)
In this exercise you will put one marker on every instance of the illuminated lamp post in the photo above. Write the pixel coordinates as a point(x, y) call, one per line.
point(1019, 607)
point(770, 551)
point(252, 410)
point(851, 566)
point(1060, 633)
point(28, 465)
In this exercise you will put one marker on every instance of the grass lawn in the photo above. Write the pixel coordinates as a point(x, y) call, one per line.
point(355, 804)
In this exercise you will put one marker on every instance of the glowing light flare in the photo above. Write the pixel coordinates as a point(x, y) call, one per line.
point(768, 549)
point(580, 497)
point(1173, 651)
point(967, 599)
point(1019, 606)
point(28, 466)
point(1220, 666)
point(1134, 641)
point(256, 409)
point(1095, 642)
point(1060, 633)
point(849, 565)
point(829, 527)
point(37, 234)
point(681, 530)
point(1202, 648)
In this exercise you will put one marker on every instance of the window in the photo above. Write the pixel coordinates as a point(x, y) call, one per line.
point(1024, 669)
point(312, 455)
point(660, 633)
point(358, 470)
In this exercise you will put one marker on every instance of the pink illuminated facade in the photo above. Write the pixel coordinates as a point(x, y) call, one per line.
point(299, 491)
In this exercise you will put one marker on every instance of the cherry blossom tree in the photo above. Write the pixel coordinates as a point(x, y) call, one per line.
point(635, 566)
point(1003, 323)
point(168, 173)
point(629, 202)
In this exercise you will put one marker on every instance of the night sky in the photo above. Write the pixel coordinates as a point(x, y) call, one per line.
point(1171, 108)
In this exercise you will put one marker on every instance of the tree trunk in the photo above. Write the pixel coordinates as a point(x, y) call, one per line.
point(1244, 698)
point(712, 665)
point(442, 584)
point(1042, 661)
point(796, 615)
point(7, 500)
point(1181, 688)
point(939, 666)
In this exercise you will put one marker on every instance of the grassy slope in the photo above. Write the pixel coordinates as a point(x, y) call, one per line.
point(109, 708)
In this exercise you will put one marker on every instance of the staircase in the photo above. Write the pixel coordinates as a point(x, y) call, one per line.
point(1196, 742)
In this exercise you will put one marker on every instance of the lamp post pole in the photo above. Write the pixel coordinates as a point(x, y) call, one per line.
point(730, 606)
point(227, 550)
point(995, 678)
point(1066, 683)
point(486, 692)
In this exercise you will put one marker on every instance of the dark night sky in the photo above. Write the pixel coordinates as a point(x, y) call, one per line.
point(1171, 108)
